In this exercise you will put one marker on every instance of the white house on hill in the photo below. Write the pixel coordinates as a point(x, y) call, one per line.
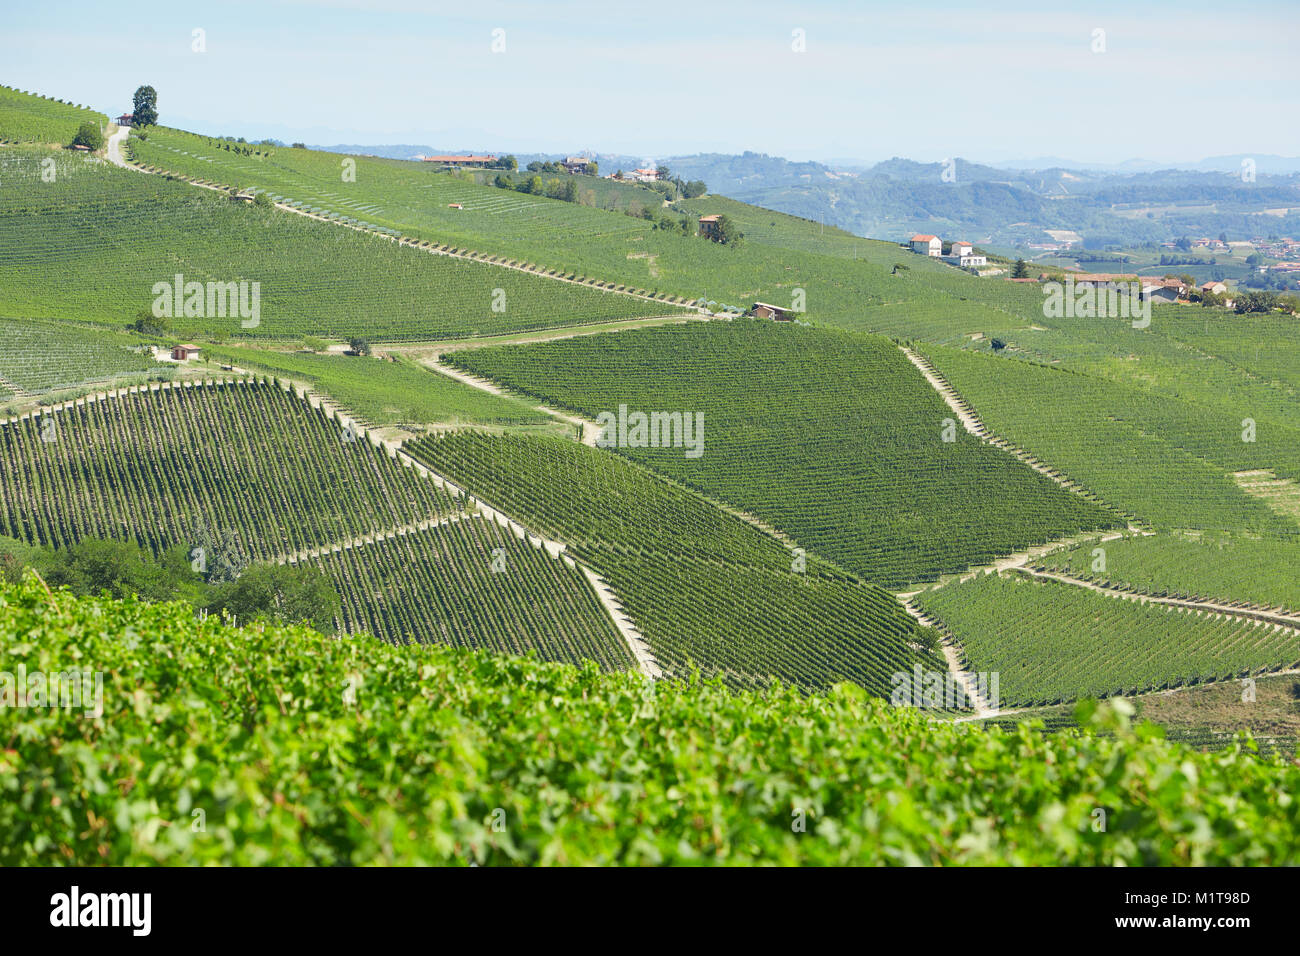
point(927, 245)
point(962, 253)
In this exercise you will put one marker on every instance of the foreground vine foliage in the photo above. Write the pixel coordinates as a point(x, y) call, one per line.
point(264, 744)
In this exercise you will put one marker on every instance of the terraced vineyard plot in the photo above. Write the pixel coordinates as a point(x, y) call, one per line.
point(748, 625)
point(706, 589)
point(1053, 642)
point(95, 242)
point(438, 586)
point(246, 458)
point(936, 319)
point(1227, 567)
point(29, 118)
point(589, 499)
point(834, 439)
point(388, 393)
point(1209, 739)
point(1165, 461)
point(39, 355)
point(1187, 355)
point(1263, 345)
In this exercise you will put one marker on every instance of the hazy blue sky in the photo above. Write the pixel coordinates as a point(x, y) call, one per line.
point(982, 80)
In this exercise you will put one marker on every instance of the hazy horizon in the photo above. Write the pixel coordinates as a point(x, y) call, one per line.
point(871, 81)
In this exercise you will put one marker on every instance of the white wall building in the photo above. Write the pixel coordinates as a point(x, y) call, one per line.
point(927, 245)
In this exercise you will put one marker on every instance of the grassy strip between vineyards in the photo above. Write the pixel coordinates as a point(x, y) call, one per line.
point(833, 438)
point(1053, 642)
point(1191, 564)
point(96, 240)
point(299, 749)
point(398, 392)
point(706, 589)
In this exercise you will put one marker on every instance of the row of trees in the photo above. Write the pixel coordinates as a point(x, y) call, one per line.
point(556, 167)
point(563, 189)
point(1256, 301)
point(284, 594)
point(671, 185)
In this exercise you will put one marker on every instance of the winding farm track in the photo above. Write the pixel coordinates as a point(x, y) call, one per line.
point(590, 430)
point(1021, 559)
point(952, 654)
point(376, 537)
point(113, 147)
point(1284, 619)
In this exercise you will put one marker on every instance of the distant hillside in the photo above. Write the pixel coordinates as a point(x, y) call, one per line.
point(393, 151)
point(1264, 163)
point(1009, 207)
point(609, 162)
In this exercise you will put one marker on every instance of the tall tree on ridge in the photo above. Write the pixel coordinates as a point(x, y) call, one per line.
point(146, 107)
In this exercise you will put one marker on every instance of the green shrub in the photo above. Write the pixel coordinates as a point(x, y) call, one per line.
point(88, 135)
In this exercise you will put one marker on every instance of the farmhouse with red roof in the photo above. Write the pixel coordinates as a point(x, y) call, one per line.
point(927, 245)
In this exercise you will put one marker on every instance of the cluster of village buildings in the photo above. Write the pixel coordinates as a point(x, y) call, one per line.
point(1152, 288)
point(1206, 243)
point(573, 164)
point(960, 253)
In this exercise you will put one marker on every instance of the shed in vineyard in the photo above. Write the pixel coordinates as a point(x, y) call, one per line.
point(765, 310)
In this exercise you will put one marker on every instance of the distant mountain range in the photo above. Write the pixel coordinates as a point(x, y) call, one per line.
point(1264, 163)
point(609, 162)
point(1008, 207)
point(392, 151)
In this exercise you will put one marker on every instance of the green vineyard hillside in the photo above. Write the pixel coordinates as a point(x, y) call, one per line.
point(1052, 642)
point(835, 440)
point(31, 118)
point(244, 457)
point(837, 276)
point(96, 242)
point(469, 583)
point(707, 590)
